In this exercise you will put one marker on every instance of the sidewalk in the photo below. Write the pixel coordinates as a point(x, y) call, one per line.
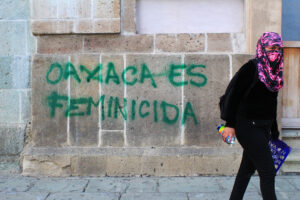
point(16, 187)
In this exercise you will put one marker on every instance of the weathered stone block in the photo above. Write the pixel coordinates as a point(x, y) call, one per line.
point(149, 196)
point(14, 72)
point(10, 106)
point(239, 43)
point(5, 72)
point(52, 26)
point(89, 165)
point(112, 138)
point(169, 161)
point(9, 165)
point(124, 165)
point(165, 165)
point(189, 161)
point(61, 44)
point(81, 195)
point(104, 26)
point(12, 37)
point(68, 9)
point(54, 165)
point(59, 185)
point(49, 100)
point(26, 106)
point(238, 60)
point(143, 185)
point(217, 42)
point(76, 16)
point(97, 26)
point(20, 68)
point(191, 42)
point(225, 194)
point(84, 26)
point(229, 181)
point(154, 101)
point(106, 9)
point(11, 139)
point(24, 195)
point(180, 42)
point(84, 9)
point(166, 43)
point(113, 113)
point(16, 184)
point(17, 9)
point(108, 186)
point(189, 184)
point(84, 94)
point(129, 16)
point(43, 9)
point(31, 40)
point(118, 43)
point(225, 163)
point(212, 72)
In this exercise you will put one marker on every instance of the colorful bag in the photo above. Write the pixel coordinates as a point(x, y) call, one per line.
point(280, 151)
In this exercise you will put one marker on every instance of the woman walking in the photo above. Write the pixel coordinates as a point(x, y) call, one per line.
point(253, 119)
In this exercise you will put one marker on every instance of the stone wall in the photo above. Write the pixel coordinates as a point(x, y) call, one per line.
point(17, 44)
point(75, 16)
point(108, 101)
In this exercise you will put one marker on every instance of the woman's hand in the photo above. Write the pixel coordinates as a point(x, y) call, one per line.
point(228, 132)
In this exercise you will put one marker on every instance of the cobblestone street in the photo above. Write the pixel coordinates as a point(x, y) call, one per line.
point(134, 188)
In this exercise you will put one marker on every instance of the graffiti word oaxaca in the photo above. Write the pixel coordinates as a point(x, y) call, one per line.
point(58, 72)
point(113, 107)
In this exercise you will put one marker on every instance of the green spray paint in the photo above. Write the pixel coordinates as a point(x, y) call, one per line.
point(164, 105)
point(53, 102)
point(134, 71)
point(119, 107)
point(56, 101)
point(129, 74)
point(155, 111)
point(60, 73)
point(92, 74)
point(73, 106)
point(188, 111)
point(200, 75)
point(146, 73)
point(174, 74)
point(71, 71)
point(147, 104)
point(109, 106)
point(96, 104)
point(133, 104)
point(112, 74)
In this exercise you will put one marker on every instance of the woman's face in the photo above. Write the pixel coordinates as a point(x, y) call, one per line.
point(273, 52)
point(273, 48)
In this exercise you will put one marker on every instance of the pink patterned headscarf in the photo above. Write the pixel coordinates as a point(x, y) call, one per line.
point(270, 63)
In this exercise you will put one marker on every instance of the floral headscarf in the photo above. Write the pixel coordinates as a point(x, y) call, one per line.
point(270, 63)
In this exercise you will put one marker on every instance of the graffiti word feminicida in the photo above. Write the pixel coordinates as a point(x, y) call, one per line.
point(131, 75)
point(113, 107)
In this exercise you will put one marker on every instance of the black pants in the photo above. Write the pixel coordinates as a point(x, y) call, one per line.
point(254, 135)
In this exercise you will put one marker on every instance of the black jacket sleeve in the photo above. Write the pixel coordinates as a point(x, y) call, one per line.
point(274, 128)
point(243, 82)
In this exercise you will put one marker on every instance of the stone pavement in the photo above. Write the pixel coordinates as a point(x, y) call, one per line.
point(17, 187)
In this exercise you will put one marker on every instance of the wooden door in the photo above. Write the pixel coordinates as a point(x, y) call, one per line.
point(291, 89)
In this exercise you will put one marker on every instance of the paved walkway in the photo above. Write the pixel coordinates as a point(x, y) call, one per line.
point(16, 187)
